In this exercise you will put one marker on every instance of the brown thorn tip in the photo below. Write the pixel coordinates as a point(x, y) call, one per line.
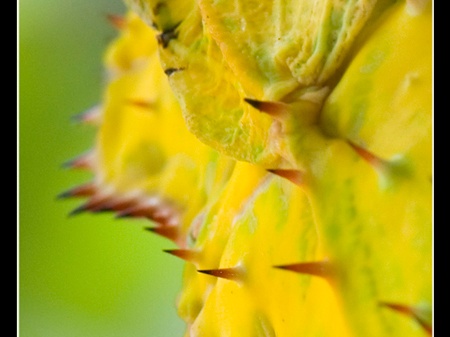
point(234, 274)
point(169, 232)
point(409, 311)
point(145, 209)
point(78, 210)
point(84, 161)
point(275, 109)
point(118, 204)
point(319, 268)
point(294, 176)
point(117, 21)
point(185, 254)
point(95, 203)
point(367, 156)
point(79, 191)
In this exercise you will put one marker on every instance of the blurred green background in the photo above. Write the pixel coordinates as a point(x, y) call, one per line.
point(87, 275)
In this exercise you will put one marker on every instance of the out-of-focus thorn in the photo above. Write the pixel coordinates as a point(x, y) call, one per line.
point(116, 204)
point(91, 116)
point(117, 21)
point(185, 254)
point(318, 268)
point(86, 161)
point(411, 312)
point(85, 190)
point(294, 176)
point(234, 273)
point(141, 103)
point(143, 209)
point(95, 202)
point(169, 232)
point(373, 160)
point(278, 110)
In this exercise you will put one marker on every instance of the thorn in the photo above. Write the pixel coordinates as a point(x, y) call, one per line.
point(167, 35)
point(409, 311)
point(294, 176)
point(185, 254)
point(117, 21)
point(79, 191)
point(234, 274)
point(144, 209)
point(116, 204)
point(91, 116)
point(141, 103)
point(368, 156)
point(320, 268)
point(277, 110)
point(78, 210)
point(91, 205)
point(84, 161)
point(170, 71)
point(169, 232)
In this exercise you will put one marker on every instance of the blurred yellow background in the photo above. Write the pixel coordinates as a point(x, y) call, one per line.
point(87, 275)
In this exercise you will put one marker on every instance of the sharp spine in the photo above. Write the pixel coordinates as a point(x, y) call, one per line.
point(169, 232)
point(317, 268)
point(278, 110)
point(93, 204)
point(84, 161)
point(86, 190)
point(409, 311)
point(373, 160)
point(233, 274)
point(294, 176)
point(141, 210)
point(185, 254)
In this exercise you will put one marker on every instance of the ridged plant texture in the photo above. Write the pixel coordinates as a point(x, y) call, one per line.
point(285, 149)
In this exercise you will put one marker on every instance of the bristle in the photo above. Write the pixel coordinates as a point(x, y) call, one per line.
point(409, 311)
point(90, 116)
point(141, 103)
point(86, 190)
point(170, 232)
point(274, 109)
point(185, 254)
point(84, 161)
point(373, 160)
point(234, 274)
point(319, 268)
point(117, 21)
point(294, 176)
